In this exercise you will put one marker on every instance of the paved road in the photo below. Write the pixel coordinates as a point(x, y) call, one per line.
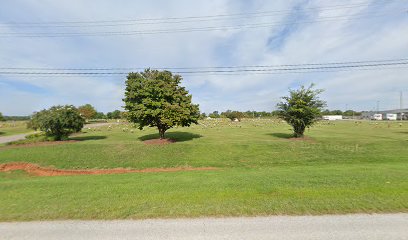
point(12, 138)
point(17, 137)
point(342, 227)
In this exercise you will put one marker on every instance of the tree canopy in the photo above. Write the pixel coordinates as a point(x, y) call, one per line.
point(87, 111)
point(232, 115)
point(114, 115)
point(58, 121)
point(1, 117)
point(301, 108)
point(156, 99)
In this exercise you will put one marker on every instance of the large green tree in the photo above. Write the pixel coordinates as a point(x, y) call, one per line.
point(58, 121)
point(301, 108)
point(1, 117)
point(156, 99)
point(87, 111)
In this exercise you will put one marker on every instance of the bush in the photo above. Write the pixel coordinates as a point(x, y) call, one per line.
point(58, 121)
point(301, 108)
point(232, 115)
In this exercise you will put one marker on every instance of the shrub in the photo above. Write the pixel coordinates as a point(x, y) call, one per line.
point(58, 121)
point(301, 108)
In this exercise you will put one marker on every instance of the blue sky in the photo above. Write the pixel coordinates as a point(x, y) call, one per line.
point(286, 42)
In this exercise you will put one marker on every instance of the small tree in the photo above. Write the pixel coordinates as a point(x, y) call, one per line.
point(1, 117)
point(87, 111)
point(232, 115)
point(58, 121)
point(156, 99)
point(100, 115)
point(301, 108)
point(214, 114)
point(114, 115)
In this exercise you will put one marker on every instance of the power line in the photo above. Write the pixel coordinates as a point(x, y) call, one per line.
point(189, 30)
point(386, 61)
point(222, 71)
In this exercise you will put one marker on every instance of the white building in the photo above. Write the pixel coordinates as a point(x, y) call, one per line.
point(391, 116)
point(377, 116)
point(332, 117)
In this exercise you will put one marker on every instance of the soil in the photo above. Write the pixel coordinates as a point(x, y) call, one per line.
point(37, 170)
point(159, 141)
point(36, 144)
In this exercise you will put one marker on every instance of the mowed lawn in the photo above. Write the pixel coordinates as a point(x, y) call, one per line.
point(343, 167)
point(12, 128)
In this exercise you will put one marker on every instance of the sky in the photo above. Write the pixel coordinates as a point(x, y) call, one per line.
point(297, 32)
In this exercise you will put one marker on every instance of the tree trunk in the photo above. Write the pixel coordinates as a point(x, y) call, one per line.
point(161, 133)
point(299, 131)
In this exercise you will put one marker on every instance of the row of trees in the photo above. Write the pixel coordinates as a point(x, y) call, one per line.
point(155, 98)
point(89, 112)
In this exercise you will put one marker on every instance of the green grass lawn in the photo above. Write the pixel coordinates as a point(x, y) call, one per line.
point(13, 128)
point(343, 168)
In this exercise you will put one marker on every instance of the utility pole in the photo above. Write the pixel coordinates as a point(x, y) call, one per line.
point(401, 106)
point(378, 106)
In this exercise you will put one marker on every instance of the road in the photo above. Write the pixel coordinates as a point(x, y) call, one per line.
point(17, 137)
point(12, 138)
point(360, 226)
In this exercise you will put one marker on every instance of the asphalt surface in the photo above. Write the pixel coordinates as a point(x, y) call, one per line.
point(342, 227)
point(12, 138)
point(17, 137)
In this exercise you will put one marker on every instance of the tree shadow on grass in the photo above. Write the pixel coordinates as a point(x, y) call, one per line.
point(281, 135)
point(87, 138)
point(2, 133)
point(177, 136)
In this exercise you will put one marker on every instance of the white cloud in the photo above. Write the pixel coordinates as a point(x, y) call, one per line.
point(355, 39)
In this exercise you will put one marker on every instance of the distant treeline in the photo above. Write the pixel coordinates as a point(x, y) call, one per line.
point(117, 114)
point(15, 118)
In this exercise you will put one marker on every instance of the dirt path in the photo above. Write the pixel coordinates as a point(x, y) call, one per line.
point(37, 170)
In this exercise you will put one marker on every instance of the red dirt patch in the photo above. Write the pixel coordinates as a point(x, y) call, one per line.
point(37, 144)
point(36, 170)
point(159, 141)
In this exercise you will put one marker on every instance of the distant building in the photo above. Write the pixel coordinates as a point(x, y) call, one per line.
point(394, 114)
point(332, 117)
point(391, 116)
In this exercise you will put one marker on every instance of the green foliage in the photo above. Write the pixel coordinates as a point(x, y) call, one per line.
point(301, 108)
point(114, 115)
point(16, 118)
point(232, 115)
point(87, 111)
point(58, 121)
point(203, 116)
point(214, 114)
point(1, 117)
point(100, 115)
point(156, 99)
